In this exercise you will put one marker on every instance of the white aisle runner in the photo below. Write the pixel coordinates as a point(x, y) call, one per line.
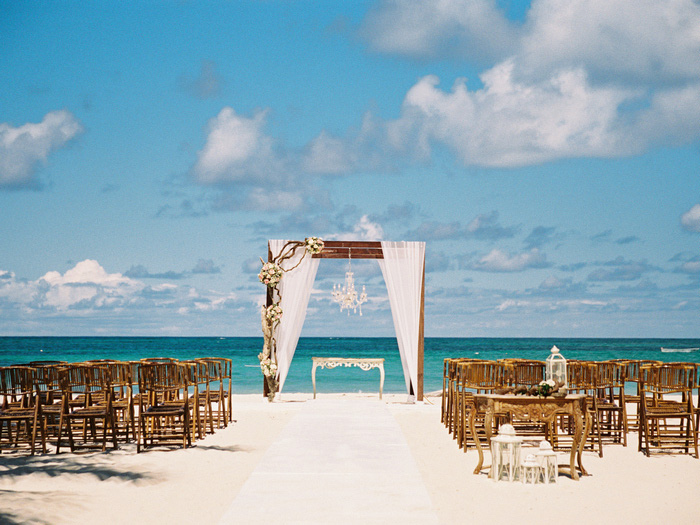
point(337, 461)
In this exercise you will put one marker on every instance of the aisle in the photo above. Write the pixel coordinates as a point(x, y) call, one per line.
point(337, 461)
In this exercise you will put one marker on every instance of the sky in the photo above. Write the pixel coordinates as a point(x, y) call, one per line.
point(547, 152)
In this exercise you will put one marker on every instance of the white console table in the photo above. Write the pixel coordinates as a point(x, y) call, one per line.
point(362, 363)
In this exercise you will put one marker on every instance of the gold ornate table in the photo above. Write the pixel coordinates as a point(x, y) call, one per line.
point(531, 408)
point(362, 363)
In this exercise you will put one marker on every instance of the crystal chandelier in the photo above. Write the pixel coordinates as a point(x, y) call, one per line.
point(346, 295)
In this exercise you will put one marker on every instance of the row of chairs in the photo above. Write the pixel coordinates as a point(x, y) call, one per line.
point(152, 401)
point(661, 410)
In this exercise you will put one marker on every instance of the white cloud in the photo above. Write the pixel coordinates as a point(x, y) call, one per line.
point(88, 288)
point(88, 282)
point(327, 154)
point(236, 149)
point(510, 123)
point(690, 267)
point(638, 41)
point(473, 29)
point(584, 78)
point(23, 147)
point(362, 230)
point(691, 219)
point(499, 261)
point(274, 200)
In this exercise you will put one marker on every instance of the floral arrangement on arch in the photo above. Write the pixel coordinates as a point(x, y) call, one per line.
point(271, 275)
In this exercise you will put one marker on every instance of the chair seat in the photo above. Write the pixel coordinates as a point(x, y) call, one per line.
point(17, 413)
point(668, 411)
point(88, 412)
point(164, 410)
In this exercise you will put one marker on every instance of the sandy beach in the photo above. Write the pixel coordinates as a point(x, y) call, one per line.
point(219, 480)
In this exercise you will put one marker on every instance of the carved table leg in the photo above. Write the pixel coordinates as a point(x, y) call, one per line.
point(586, 430)
point(472, 429)
point(577, 443)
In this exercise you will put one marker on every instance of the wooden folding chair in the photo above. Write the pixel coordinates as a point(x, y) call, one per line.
point(632, 396)
point(50, 395)
point(200, 404)
point(164, 406)
point(667, 416)
point(20, 412)
point(87, 407)
point(122, 398)
point(581, 379)
point(477, 377)
point(610, 402)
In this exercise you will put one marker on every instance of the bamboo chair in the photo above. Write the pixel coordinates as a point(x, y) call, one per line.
point(610, 402)
point(218, 396)
point(667, 423)
point(20, 412)
point(122, 398)
point(581, 378)
point(164, 408)
point(631, 377)
point(527, 373)
point(445, 389)
point(198, 392)
point(451, 395)
point(477, 377)
point(50, 396)
point(87, 401)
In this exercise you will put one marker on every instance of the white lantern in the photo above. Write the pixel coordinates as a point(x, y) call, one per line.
point(505, 455)
point(530, 474)
point(556, 368)
point(547, 460)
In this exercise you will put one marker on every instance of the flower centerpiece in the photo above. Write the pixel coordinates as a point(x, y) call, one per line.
point(545, 388)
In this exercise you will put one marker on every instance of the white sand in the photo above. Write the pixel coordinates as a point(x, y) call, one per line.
point(199, 485)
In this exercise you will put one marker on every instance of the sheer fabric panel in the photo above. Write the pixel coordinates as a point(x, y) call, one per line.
point(295, 289)
point(402, 268)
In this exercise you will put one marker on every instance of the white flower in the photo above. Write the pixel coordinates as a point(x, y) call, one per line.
point(314, 245)
point(270, 274)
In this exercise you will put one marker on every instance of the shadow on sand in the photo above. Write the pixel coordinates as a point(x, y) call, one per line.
point(57, 465)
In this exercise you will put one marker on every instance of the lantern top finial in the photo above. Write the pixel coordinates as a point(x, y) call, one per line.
point(507, 430)
point(545, 446)
point(555, 350)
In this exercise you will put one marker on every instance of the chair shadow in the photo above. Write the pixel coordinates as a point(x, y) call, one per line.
point(8, 518)
point(231, 448)
point(57, 465)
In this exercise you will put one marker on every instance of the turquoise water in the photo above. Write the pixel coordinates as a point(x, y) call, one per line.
point(246, 373)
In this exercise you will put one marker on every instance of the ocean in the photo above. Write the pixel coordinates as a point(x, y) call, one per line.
point(247, 378)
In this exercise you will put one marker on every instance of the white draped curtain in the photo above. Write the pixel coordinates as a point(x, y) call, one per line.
point(295, 290)
point(402, 268)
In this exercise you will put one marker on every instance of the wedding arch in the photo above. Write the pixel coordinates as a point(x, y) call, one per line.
point(403, 267)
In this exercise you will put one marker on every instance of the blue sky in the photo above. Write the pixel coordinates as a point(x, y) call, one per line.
point(547, 152)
